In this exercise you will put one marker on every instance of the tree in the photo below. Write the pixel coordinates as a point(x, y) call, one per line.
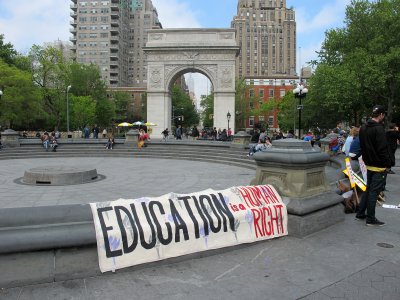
point(181, 100)
point(240, 102)
point(86, 80)
point(7, 51)
point(359, 65)
point(83, 111)
point(50, 72)
point(121, 102)
point(207, 104)
point(20, 105)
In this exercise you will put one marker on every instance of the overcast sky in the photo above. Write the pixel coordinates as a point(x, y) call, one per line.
point(28, 22)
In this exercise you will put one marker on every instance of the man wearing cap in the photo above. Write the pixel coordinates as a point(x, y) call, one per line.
point(375, 153)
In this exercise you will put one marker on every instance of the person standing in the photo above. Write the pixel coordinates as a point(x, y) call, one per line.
point(393, 138)
point(178, 132)
point(375, 153)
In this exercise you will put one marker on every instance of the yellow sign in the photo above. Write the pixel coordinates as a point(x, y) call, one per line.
point(357, 180)
point(350, 171)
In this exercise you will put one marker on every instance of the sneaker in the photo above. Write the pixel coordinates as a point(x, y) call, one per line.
point(375, 222)
point(391, 172)
point(360, 218)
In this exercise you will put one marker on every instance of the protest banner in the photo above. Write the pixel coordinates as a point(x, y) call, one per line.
point(137, 231)
point(363, 169)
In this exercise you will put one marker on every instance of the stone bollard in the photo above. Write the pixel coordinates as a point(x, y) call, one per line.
point(131, 137)
point(241, 140)
point(297, 171)
point(10, 138)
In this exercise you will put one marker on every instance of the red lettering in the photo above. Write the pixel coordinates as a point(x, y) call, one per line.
point(233, 207)
point(241, 207)
point(256, 220)
point(279, 207)
point(267, 223)
point(256, 195)
point(270, 194)
point(246, 196)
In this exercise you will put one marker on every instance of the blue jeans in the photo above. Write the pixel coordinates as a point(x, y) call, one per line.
point(376, 182)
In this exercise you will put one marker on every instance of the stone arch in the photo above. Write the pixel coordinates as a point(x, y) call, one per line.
point(174, 52)
point(181, 70)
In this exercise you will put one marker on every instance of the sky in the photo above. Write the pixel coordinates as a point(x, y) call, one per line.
point(28, 22)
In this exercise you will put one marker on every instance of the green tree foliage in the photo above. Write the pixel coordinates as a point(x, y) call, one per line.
point(83, 111)
point(7, 51)
point(359, 65)
point(121, 102)
point(20, 105)
point(50, 72)
point(240, 102)
point(86, 81)
point(207, 104)
point(182, 101)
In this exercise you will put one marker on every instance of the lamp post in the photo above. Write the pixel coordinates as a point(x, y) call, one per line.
point(68, 88)
point(228, 117)
point(300, 92)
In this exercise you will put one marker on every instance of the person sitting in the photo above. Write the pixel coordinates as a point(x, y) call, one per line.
point(261, 146)
point(45, 140)
point(110, 143)
point(54, 144)
point(223, 136)
point(143, 137)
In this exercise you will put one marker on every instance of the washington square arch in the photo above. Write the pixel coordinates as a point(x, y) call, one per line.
point(174, 52)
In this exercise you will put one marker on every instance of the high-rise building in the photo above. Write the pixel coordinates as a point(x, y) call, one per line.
point(266, 34)
point(110, 34)
point(142, 17)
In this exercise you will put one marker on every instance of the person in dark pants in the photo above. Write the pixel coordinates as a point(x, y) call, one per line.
point(375, 153)
point(393, 138)
point(178, 132)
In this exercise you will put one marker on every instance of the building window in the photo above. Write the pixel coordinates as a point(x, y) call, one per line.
point(251, 121)
point(282, 93)
point(271, 93)
point(261, 92)
point(251, 93)
point(261, 118)
point(270, 121)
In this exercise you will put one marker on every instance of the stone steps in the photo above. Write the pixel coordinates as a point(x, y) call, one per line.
point(207, 152)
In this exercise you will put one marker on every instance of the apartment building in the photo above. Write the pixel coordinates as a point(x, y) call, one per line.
point(110, 34)
point(266, 34)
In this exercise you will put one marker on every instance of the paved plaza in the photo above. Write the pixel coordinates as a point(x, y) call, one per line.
point(346, 261)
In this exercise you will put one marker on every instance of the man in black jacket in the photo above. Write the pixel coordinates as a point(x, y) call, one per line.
point(375, 153)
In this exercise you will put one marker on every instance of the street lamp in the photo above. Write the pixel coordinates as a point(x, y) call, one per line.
point(68, 88)
point(1, 94)
point(228, 117)
point(300, 92)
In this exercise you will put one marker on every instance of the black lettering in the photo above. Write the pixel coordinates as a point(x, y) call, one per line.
point(127, 248)
point(158, 226)
point(143, 242)
point(224, 211)
point(191, 215)
point(179, 223)
point(216, 214)
point(205, 223)
point(209, 217)
point(104, 229)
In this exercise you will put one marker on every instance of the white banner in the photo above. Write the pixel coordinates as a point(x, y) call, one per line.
point(136, 231)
